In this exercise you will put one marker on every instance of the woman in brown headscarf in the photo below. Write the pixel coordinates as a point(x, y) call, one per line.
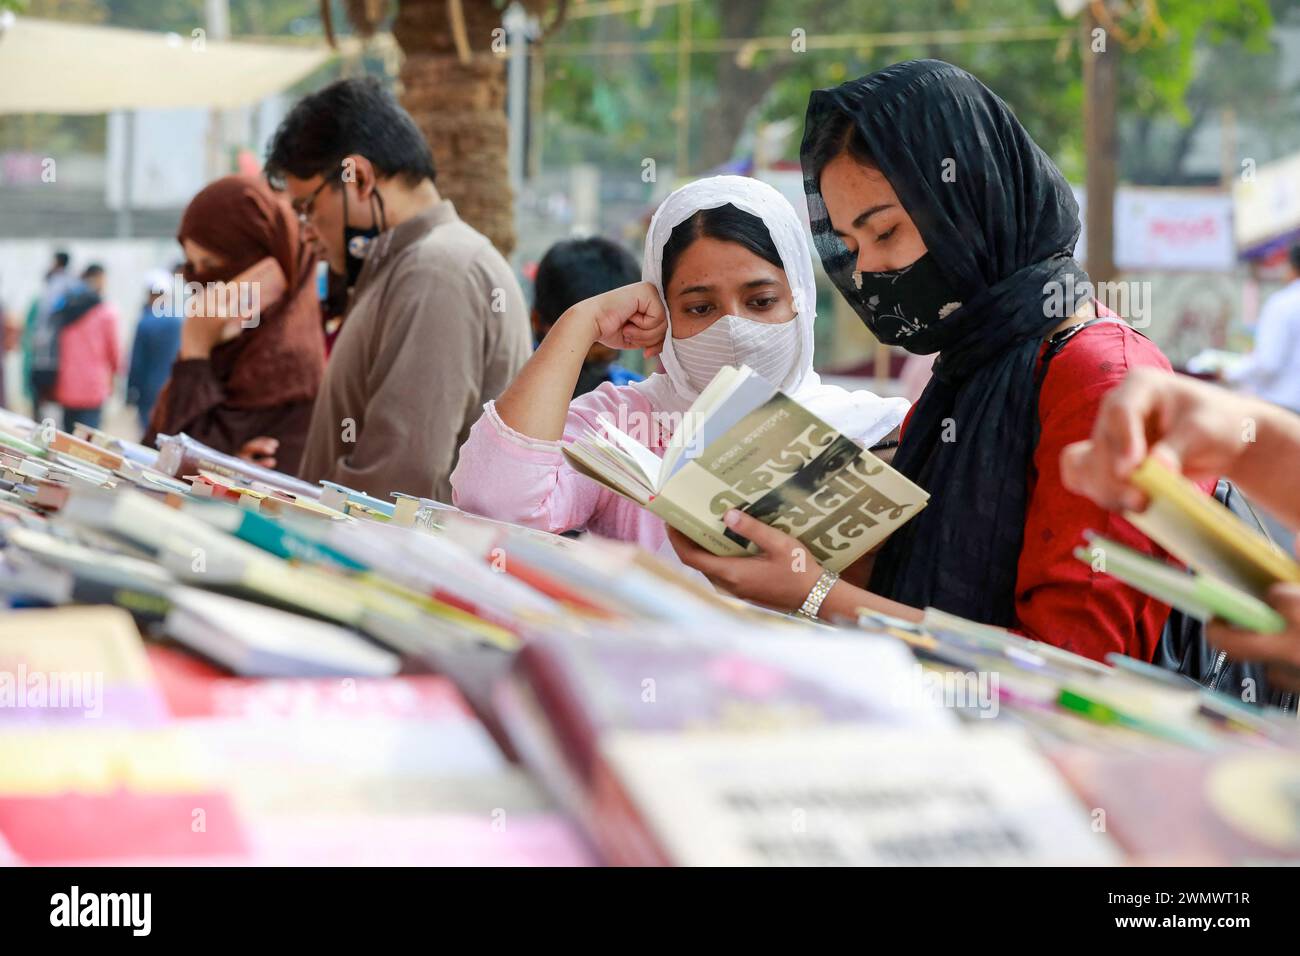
point(235, 381)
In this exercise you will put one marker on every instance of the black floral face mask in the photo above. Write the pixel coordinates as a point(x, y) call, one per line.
point(900, 306)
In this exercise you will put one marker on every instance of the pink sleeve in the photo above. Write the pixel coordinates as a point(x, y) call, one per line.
point(509, 476)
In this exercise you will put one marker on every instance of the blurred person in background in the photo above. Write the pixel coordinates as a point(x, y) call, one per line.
point(577, 269)
point(245, 387)
point(436, 322)
point(1272, 369)
point(157, 342)
point(40, 352)
point(85, 328)
point(9, 336)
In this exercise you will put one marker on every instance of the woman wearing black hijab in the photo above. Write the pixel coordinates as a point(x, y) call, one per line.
point(949, 230)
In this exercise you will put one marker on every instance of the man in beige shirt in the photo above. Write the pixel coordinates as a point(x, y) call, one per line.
point(436, 322)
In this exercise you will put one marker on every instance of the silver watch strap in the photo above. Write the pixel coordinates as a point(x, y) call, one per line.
point(813, 602)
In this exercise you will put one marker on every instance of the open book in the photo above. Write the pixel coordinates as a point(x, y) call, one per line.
point(742, 444)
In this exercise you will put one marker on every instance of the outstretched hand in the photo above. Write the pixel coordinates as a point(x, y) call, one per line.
point(1196, 428)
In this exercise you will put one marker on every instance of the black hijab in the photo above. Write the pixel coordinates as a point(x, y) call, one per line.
point(1000, 222)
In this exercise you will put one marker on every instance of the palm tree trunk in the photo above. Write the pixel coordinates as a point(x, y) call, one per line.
point(460, 108)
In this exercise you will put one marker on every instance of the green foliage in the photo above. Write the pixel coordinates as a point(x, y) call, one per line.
point(247, 17)
point(613, 108)
point(1157, 77)
point(1211, 55)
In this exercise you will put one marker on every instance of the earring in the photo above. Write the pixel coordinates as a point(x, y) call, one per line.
point(857, 280)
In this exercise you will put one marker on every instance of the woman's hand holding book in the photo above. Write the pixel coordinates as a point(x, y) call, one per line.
point(779, 576)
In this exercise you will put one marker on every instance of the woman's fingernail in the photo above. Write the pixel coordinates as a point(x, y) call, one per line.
point(731, 518)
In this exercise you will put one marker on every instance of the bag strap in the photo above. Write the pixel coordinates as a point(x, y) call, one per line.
point(1058, 342)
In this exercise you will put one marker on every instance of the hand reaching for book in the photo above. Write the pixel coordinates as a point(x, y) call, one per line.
point(1198, 429)
point(779, 576)
point(629, 317)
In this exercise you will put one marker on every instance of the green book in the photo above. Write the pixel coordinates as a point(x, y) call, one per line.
point(1200, 595)
point(270, 535)
point(18, 444)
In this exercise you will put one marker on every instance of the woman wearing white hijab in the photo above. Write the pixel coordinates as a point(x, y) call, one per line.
point(731, 259)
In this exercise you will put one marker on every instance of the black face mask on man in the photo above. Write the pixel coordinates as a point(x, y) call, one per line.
point(900, 305)
point(356, 240)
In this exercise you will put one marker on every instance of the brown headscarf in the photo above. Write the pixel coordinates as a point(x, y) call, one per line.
point(282, 360)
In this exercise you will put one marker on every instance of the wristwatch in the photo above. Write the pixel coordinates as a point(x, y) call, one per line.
point(813, 602)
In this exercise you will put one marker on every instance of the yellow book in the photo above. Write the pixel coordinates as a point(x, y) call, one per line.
point(103, 640)
point(383, 596)
point(1204, 535)
point(46, 762)
point(358, 510)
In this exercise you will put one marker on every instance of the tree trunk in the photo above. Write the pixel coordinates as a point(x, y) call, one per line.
point(460, 108)
point(739, 89)
point(1101, 148)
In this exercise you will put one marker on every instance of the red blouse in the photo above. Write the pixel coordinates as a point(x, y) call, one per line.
point(1059, 599)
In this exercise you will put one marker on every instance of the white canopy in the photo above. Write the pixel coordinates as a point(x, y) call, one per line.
point(49, 67)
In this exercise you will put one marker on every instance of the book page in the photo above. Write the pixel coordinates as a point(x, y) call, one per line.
point(1203, 534)
point(713, 415)
point(646, 463)
point(1164, 524)
point(590, 462)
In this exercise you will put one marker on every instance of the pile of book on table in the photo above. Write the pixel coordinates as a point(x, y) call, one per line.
point(205, 661)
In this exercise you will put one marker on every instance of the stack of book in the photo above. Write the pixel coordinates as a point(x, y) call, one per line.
point(313, 674)
point(112, 753)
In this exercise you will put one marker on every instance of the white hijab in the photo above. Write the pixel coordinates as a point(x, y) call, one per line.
point(861, 415)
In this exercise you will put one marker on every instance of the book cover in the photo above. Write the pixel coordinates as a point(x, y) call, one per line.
point(786, 467)
point(1180, 807)
point(744, 445)
point(854, 795)
point(565, 697)
point(1198, 531)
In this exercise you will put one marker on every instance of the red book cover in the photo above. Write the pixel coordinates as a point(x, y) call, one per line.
point(195, 688)
point(118, 826)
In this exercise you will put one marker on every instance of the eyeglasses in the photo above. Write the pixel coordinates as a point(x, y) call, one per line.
point(304, 208)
